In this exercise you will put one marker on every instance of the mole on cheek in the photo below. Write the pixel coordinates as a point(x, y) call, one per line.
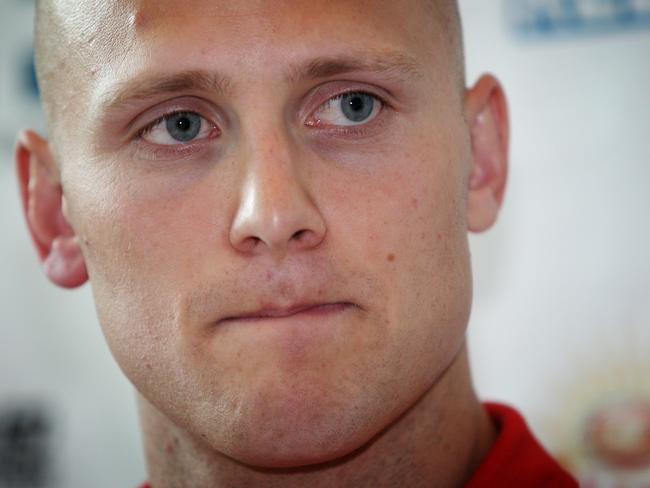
point(390, 258)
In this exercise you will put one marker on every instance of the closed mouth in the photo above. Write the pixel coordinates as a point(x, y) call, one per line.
point(284, 312)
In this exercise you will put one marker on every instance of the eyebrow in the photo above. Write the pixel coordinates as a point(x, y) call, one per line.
point(149, 86)
point(389, 63)
point(392, 64)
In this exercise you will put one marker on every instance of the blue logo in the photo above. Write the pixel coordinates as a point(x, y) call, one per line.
point(551, 18)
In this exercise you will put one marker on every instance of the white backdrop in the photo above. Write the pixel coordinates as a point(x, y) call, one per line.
point(561, 322)
point(562, 283)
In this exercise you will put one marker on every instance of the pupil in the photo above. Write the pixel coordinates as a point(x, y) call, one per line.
point(356, 104)
point(183, 124)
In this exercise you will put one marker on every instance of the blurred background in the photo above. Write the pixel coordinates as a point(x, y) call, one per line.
point(561, 319)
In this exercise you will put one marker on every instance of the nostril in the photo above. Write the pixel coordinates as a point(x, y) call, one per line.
point(305, 239)
point(250, 243)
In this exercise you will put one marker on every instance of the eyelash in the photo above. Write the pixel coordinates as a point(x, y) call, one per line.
point(345, 130)
point(147, 128)
point(163, 118)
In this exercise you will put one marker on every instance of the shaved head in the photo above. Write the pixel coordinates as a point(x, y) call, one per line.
point(70, 40)
point(271, 202)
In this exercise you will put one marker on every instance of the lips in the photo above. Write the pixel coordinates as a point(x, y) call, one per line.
point(273, 312)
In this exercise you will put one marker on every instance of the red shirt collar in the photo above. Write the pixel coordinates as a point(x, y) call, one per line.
point(517, 458)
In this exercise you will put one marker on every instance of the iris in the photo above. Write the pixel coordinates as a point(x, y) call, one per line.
point(357, 106)
point(183, 126)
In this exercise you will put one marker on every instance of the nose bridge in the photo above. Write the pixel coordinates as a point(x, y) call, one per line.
point(275, 213)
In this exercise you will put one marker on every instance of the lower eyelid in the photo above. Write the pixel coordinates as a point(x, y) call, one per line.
point(357, 133)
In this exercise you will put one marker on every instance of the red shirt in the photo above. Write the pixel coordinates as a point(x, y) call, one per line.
point(516, 459)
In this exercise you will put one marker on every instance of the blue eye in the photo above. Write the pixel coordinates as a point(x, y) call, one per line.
point(178, 128)
point(183, 126)
point(350, 108)
point(357, 106)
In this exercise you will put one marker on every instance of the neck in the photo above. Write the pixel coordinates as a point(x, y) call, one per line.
point(439, 441)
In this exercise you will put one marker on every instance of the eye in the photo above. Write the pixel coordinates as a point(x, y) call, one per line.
point(177, 128)
point(351, 108)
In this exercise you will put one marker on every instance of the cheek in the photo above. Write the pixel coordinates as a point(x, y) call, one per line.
point(406, 217)
point(410, 230)
point(142, 248)
point(148, 233)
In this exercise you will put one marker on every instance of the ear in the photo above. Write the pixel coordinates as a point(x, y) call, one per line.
point(44, 207)
point(486, 113)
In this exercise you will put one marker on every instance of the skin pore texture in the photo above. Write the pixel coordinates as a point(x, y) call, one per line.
point(277, 204)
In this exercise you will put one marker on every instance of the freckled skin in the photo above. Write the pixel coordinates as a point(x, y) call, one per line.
point(270, 213)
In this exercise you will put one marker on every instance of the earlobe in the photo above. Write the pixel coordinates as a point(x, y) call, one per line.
point(487, 116)
point(40, 188)
point(64, 263)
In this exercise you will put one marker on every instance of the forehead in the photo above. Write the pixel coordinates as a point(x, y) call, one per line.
point(110, 32)
point(244, 40)
point(146, 14)
point(252, 37)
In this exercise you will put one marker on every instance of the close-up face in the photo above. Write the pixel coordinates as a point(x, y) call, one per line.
point(271, 202)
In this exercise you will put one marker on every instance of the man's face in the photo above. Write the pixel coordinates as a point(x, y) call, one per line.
point(320, 157)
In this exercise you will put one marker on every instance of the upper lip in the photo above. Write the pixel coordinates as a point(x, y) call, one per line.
point(278, 311)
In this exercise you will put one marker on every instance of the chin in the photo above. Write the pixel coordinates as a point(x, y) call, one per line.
point(301, 448)
point(298, 436)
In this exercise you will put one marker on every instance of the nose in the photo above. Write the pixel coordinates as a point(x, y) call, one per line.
point(276, 214)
